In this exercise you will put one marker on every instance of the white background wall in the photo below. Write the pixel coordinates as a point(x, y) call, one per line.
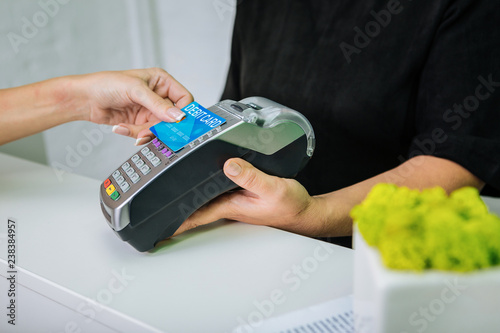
point(190, 39)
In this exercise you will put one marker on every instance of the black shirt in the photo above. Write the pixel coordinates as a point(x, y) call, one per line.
point(380, 81)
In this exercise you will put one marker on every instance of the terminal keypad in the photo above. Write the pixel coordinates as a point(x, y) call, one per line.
point(139, 165)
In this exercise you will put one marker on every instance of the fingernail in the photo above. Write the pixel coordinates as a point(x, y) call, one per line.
point(233, 169)
point(117, 129)
point(176, 113)
point(142, 141)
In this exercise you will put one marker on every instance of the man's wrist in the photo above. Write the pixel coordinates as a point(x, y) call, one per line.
point(331, 214)
point(314, 219)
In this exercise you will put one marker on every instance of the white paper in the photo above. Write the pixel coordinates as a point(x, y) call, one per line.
point(335, 316)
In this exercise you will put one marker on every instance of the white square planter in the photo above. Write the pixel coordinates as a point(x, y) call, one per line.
point(387, 301)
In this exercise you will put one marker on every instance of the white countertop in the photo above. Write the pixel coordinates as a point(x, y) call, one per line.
point(211, 279)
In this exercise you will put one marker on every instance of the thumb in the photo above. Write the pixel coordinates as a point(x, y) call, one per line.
point(164, 109)
point(140, 132)
point(248, 177)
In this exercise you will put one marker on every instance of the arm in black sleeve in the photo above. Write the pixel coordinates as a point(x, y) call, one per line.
point(458, 105)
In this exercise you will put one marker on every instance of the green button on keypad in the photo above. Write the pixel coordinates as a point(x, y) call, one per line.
point(115, 195)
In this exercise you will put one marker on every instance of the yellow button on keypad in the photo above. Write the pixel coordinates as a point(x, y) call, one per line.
point(110, 189)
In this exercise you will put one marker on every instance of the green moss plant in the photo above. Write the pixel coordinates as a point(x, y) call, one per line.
point(419, 230)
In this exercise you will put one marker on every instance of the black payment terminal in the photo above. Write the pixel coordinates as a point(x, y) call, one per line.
point(151, 194)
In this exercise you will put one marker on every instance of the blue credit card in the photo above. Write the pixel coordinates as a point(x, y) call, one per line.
point(198, 121)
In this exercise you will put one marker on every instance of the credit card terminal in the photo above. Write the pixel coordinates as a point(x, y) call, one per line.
point(151, 194)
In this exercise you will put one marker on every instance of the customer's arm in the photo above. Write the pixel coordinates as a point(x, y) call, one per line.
point(132, 100)
point(285, 204)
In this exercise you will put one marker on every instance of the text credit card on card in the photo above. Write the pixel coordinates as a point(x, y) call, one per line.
point(198, 121)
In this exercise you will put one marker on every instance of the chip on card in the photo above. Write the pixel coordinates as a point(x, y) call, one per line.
point(198, 121)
